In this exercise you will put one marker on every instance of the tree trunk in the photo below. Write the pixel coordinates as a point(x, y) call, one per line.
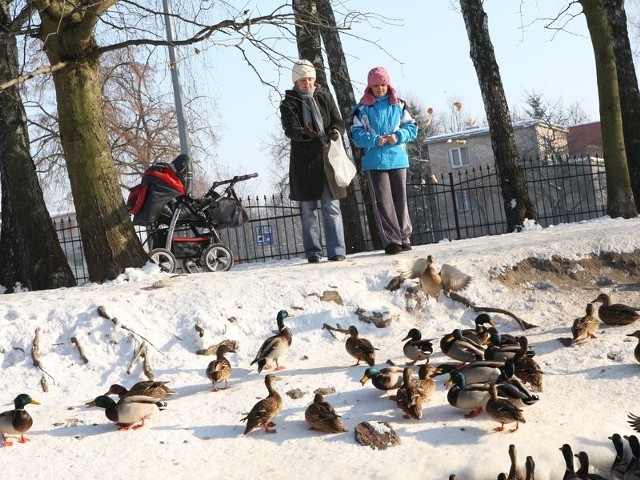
point(341, 82)
point(517, 204)
point(628, 91)
point(30, 254)
point(620, 201)
point(108, 238)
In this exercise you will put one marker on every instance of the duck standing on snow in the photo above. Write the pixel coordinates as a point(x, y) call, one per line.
point(455, 346)
point(480, 333)
point(529, 468)
point(417, 348)
point(266, 409)
point(583, 470)
point(432, 282)
point(585, 327)
point(17, 421)
point(478, 371)
point(387, 378)
point(515, 473)
point(219, 370)
point(128, 412)
point(321, 416)
point(360, 348)
point(636, 351)
point(275, 346)
point(633, 466)
point(619, 465)
point(466, 396)
point(502, 410)
point(413, 394)
point(569, 471)
point(616, 314)
point(146, 388)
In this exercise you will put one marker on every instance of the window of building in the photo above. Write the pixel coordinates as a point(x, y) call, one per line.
point(465, 202)
point(459, 157)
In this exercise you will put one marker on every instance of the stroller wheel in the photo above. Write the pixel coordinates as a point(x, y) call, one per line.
point(191, 266)
point(216, 258)
point(164, 259)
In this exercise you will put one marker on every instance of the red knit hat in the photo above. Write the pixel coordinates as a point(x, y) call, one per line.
point(378, 76)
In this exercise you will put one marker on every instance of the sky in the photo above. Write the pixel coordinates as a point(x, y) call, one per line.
point(425, 48)
point(588, 390)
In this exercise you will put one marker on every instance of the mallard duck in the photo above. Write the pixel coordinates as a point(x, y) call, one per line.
point(636, 351)
point(466, 396)
point(17, 421)
point(275, 346)
point(501, 348)
point(432, 282)
point(583, 470)
point(585, 327)
point(321, 416)
point(478, 371)
point(616, 314)
point(526, 368)
point(455, 346)
point(219, 370)
point(633, 466)
point(619, 465)
point(413, 394)
point(360, 348)
point(502, 410)
point(146, 388)
point(480, 333)
point(387, 378)
point(515, 473)
point(569, 472)
point(416, 349)
point(266, 409)
point(511, 388)
point(529, 468)
point(128, 411)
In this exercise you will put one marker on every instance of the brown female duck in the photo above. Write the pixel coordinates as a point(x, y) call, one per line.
point(502, 410)
point(219, 370)
point(146, 388)
point(617, 313)
point(360, 348)
point(585, 327)
point(321, 416)
point(266, 409)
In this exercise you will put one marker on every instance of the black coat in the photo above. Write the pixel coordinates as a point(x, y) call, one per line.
point(308, 161)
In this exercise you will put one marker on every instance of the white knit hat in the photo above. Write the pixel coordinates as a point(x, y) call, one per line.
point(303, 69)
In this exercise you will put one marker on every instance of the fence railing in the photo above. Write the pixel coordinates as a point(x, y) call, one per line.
point(461, 204)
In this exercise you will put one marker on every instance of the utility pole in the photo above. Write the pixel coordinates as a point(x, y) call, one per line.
point(185, 146)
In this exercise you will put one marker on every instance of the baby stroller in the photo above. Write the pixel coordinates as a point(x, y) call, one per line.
point(183, 228)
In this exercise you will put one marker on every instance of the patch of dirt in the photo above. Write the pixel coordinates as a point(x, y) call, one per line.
point(621, 270)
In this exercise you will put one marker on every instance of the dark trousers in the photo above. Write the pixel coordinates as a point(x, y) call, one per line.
point(388, 190)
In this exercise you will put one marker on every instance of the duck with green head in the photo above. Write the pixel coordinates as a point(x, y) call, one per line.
point(417, 348)
point(17, 421)
point(275, 346)
point(387, 378)
point(128, 412)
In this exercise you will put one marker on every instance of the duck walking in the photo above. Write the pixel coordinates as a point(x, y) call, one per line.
point(219, 370)
point(617, 313)
point(433, 282)
point(416, 349)
point(147, 388)
point(502, 410)
point(130, 411)
point(266, 409)
point(360, 348)
point(17, 421)
point(321, 416)
point(275, 346)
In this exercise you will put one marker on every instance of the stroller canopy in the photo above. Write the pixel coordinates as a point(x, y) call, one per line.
point(161, 183)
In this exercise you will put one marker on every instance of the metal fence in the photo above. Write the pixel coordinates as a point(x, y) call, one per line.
point(461, 204)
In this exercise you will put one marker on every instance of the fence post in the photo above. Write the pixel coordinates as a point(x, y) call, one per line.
point(455, 205)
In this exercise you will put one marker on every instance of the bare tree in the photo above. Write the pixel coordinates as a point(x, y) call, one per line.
point(517, 204)
point(30, 254)
point(620, 201)
point(629, 92)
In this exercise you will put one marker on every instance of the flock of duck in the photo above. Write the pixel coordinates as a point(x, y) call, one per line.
point(488, 371)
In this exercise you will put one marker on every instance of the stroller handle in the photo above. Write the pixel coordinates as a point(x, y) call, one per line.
point(231, 182)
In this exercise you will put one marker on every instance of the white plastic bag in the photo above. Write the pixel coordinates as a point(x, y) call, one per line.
point(343, 167)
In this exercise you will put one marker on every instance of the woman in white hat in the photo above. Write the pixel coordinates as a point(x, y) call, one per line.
point(310, 118)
